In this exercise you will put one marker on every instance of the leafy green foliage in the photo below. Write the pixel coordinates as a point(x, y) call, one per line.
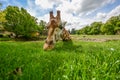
point(117, 28)
point(85, 30)
point(107, 28)
point(20, 21)
point(72, 31)
point(95, 28)
point(2, 17)
point(41, 26)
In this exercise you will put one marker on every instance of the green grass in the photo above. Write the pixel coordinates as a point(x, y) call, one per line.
point(80, 61)
point(6, 39)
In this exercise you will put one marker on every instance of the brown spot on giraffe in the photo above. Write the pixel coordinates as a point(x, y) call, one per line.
point(56, 31)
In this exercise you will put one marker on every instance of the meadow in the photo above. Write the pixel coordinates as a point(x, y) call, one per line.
point(83, 60)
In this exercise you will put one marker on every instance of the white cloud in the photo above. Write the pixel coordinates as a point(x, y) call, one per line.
point(78, 7)
point(81, 7)
point(114, 12)
point(72, 11)
point(45, 18)
point(34, 10)
point(47, 3)
point(101, 15)
point(105, 16)
point(31, 8)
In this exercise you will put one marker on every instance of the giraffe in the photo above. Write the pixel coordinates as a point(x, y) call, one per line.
point(56, 31)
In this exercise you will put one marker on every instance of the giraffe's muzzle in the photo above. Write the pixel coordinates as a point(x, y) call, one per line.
point(48, 45)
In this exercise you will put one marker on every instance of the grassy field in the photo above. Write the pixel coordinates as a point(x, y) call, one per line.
point(91, 60)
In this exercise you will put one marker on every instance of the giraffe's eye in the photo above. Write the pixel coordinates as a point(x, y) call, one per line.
point(47, 26)
point(49, 42)
point(56, 30)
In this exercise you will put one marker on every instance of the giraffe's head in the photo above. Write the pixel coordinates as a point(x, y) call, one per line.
point(53, 29)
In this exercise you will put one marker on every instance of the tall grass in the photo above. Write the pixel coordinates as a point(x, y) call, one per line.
point(80, 61)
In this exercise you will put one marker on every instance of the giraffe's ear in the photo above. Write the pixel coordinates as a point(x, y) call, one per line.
point(51, 15)
point(58, 16)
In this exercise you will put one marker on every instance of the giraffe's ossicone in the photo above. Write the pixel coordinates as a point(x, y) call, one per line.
point(56, 31)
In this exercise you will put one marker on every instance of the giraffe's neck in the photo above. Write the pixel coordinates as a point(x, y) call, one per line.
point(56, 31)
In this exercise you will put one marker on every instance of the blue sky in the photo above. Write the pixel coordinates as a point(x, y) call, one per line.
point(77, 13)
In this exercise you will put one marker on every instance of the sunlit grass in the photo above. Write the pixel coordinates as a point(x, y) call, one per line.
point(80, 61)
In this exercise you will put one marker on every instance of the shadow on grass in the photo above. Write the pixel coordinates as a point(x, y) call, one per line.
point(69, 47)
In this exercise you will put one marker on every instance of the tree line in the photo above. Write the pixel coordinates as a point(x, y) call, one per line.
point(20, 22)
point(110, 27)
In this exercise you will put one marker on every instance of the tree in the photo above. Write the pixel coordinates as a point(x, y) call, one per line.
point(112, 26)
point(2, 17)
point(20, 21)
point(73, 31)
point(77, 32)
point(41, 26)
point(107, 28)
point(113, 20)
point(117, 28)
point(85, 30)
point(95, 28)
point(113, 23)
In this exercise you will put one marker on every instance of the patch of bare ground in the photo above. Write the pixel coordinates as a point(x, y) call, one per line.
point(95, 39)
